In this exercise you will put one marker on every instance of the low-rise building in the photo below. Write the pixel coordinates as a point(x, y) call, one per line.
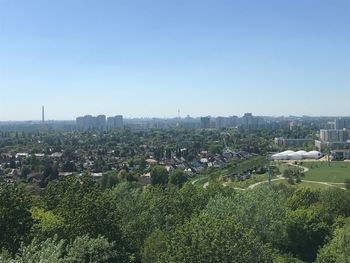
point(291, 142)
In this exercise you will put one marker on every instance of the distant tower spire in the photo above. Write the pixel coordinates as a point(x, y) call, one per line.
point(178, 113)
point(42, 114)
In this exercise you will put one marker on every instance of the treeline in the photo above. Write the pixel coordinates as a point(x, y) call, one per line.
point(76, 220)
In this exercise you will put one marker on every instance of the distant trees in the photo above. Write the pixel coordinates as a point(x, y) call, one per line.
point(110, 179)
point(50, 173)
point(159, 176)
point(25, 170)
point(178, 178)
point(215, 148)
point(293, 174)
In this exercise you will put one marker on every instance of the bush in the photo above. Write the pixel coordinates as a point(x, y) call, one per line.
point(291, 180)
point(347, 183)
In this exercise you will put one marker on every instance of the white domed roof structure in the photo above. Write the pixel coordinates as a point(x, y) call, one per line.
point(287, 152)
point(295, 156)
point(299, 155)
point(301, 152)
point(278, 156)
point(313, 155)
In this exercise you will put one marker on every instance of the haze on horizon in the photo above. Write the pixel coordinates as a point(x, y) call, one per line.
point(152, 57)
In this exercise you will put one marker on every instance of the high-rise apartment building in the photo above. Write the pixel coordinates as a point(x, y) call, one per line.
point(115, 122)
point(334, 135)
point(88, 122)
point(205, 122)
point(342, 123)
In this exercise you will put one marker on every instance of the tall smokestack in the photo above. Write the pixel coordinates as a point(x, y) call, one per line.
point(43, 114)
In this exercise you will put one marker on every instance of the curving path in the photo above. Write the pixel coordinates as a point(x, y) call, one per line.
point(280, 177)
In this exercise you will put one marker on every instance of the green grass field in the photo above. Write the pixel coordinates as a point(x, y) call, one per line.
point(205, 177)
point(254, 179)
point(305, 184)
point(320, 171)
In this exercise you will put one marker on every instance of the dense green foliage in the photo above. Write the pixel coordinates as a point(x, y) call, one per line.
point(338, 248)
point(77, 220)
point(15, 218)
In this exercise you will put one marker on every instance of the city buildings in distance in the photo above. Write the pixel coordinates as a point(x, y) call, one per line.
point(89, 122)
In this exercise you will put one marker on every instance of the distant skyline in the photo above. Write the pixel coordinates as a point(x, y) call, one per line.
point(149, 58)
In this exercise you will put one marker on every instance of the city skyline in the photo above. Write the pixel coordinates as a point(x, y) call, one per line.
point(128, 117)
point(151, 58)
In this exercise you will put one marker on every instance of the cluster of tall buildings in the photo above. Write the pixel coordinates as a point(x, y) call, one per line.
point(89, 122)
point(115, 122)
point(342, 123)
point(247, 121)
point(336, 137)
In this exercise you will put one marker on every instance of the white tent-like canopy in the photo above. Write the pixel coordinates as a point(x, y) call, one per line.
point(299, 155)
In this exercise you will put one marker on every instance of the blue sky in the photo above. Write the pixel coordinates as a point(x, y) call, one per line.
point(152, 57)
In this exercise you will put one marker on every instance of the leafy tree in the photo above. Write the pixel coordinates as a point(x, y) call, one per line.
point(25, 170)
point(45, 223)
point(347, 183)
point(159, 176)
point(69, 166)
point(15, 218)
point(143, 212)
point(291, 180)
point(83, 209)
point(168, 153)
point(215, 149)
point(54, 250)
point(286, 259)
point(307, 231)
point(338, 248)
point(50, 173)
point(178, 178)
point(109, 180)
point(335, 202)
point(262, 210)
point(207, 238)
point(303, 198)
point(49, 251)
point(86, 249)
point(155, 246)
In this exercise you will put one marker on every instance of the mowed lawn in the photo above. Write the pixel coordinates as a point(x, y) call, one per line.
point(305, 184)
point(320, 171)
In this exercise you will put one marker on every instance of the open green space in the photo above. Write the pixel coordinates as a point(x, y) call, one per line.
point(337, 172)
point(209, 175)
point(281, 166)
point(314, 185)
point(256, 178)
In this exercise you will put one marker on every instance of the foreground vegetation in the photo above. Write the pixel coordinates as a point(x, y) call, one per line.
point(76, 220)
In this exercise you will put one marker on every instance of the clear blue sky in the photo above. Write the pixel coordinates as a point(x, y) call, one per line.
point(151, 57)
